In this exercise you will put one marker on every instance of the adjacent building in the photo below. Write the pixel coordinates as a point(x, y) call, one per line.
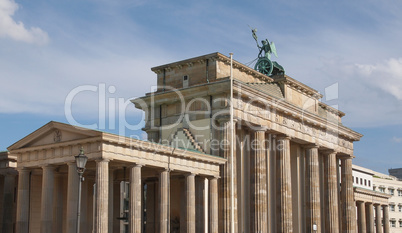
point(391, 185)
point(273, 168)
point(372, 206)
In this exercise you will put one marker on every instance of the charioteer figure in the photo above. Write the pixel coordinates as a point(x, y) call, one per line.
point(264, 64)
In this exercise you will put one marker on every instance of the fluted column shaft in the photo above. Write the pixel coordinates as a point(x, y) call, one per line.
point(369, 218)
point(8, 203)
point(225, 189)
point(46, 223)
point(378, 223)
point(361, 217)
point(213, 216)
point(347, 197)
point(164, 201)
point(135, 220)
point(102, 196)
point(72, 197)
point(58, 203)
point(284, 186)
point(190, 203)
point(385, 212)
point(23, 201)
point(331, 189)
point(313, 208)
point(258, 166)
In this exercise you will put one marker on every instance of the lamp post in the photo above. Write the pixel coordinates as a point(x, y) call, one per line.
point(81, 161)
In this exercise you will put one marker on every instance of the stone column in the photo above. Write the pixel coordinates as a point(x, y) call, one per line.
point(258, 183)
point(72, 197)
point(23, 201)
point(331, 190)
point(152, 205)
point(225, 182)
point(378, 222)
point(111, 196)
point(284, 186)
point(347, 197)
point(46, 223)
point(312, 189)
point(135, 220)
point(385, 213)
point(8, 202)
point(361, 217)
point(369, 217)
point(164, 201)
point(213, 205)
point(190, 203)
point(102, 196)
point(58, 203)
point(199, 204)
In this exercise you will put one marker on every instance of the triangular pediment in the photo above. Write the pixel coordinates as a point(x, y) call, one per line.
point(52, 133)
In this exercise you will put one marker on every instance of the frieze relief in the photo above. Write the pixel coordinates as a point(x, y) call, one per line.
point(292, 122)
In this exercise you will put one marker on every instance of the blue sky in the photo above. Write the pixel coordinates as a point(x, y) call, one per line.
point(50, 48)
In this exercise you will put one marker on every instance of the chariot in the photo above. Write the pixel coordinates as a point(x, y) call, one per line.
point(264, 64)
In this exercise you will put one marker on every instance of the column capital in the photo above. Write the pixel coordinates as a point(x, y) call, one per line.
point(327, 151)
point(311, 146)
point(190, 174)
point(376, 204)
point(23, 169)
point(70, 163)
point(226, 119)
point(346, 157)
point(48, 166)
point(136, 165)
point(360, 201)
point(282, 136)
point(259, 128)
point(164, 169)
point(99, 160)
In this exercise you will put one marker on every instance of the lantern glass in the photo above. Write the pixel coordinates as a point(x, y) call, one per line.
point(81, 161)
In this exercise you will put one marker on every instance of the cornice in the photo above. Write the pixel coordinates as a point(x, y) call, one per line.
point(298, 86)
point(294, 111)
point(214, 57)
point(371, 192)
point(331, 109)
point(159, 148)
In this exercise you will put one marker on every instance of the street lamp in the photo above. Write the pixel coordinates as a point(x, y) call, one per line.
point(81, 161)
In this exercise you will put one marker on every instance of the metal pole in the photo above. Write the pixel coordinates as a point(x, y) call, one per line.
point(79, 204)
point(231, 147)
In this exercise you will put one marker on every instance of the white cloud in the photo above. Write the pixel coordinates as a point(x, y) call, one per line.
point(16, 30)
point(386, 75)
point(397, 140)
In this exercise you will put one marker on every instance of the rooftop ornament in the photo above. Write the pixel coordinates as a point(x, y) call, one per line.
point(264, 64)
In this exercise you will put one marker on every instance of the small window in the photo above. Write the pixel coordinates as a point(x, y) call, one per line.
point(365, 182)
point(392, 208)
point(185, 81)
point(391, 192)
point(400, 208)
point(369, 183)
point(400, 222)
point(393, 223)
point(361, 180)
point(357, 180)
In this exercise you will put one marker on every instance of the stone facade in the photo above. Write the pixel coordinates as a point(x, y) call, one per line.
point(392, 186)
point(286, 142)
point(282, 175)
